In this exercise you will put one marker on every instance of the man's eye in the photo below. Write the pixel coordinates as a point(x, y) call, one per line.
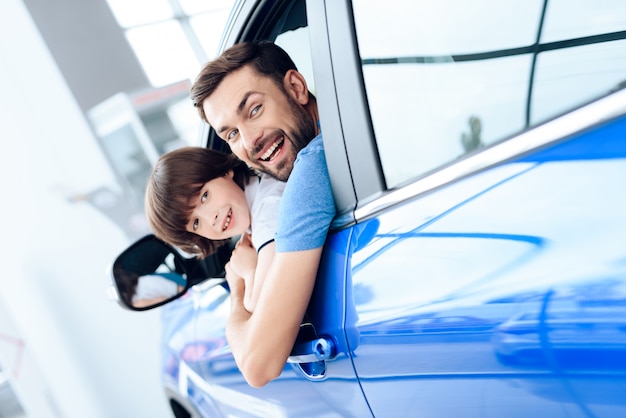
point(255, 110)
point(204, 197)
point(231, 135)
point(195, 225)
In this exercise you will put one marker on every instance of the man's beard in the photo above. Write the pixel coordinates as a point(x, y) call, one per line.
point(300, 138)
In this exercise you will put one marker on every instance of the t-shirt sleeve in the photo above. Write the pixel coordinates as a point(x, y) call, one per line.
point(264, 200)
point(265, 222)
point(308, 207)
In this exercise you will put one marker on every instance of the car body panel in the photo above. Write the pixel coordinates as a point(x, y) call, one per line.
point(523, 241)
point(423, 303)
point(491, 286)
point(199, 362)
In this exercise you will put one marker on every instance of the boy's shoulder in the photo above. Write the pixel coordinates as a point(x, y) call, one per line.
point(270, 185)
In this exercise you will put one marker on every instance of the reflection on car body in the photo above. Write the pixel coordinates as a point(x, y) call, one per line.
point(477, 159)
point(588, 335)
point(439, 324)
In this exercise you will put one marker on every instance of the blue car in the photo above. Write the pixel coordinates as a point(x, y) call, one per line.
point(477, 267)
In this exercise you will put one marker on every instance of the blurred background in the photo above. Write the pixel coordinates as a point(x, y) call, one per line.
point(91, 93)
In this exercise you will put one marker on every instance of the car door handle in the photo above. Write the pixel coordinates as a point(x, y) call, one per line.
point(319, 349)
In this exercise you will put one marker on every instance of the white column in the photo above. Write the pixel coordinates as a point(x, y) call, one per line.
point(85, 356)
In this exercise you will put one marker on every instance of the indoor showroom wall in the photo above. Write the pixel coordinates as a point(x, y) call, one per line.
point(68, 350)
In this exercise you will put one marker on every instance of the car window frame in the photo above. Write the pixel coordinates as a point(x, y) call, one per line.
point(355, 168)
point(350, 103)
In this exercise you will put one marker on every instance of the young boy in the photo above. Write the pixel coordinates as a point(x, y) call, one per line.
point(197, 199)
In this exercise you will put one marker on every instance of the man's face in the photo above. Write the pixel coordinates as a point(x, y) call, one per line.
point(263, 125)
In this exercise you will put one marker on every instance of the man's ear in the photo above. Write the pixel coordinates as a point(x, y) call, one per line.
point(295, 86)
point(230, 173)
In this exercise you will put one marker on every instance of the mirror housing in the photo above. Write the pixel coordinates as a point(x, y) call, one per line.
point(151, 273)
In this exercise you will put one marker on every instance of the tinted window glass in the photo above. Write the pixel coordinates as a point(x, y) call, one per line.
point(566, 19)
point(423, 114)
point(447, 78)
point(438, 28)
point(565, 78)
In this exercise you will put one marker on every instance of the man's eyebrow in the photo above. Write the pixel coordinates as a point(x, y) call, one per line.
point(242, 105)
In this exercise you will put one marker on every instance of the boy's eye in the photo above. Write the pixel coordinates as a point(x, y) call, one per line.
point(204, 197)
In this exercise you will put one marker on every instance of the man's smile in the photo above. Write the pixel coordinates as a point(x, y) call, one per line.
point(272, 150)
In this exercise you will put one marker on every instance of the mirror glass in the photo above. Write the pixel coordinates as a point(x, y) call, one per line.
point(148, 274)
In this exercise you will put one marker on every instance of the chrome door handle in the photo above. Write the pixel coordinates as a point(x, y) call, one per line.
point(319, 349)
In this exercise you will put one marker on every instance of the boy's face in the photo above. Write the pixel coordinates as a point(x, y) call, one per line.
point(263, 125)
point(221, 210)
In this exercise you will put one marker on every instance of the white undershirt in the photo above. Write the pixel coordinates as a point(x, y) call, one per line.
point(263, 197)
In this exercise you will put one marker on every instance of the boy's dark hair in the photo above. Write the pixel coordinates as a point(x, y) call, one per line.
point(265, 57)
point(175, 182)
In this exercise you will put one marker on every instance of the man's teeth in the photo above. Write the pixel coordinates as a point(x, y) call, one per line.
point(266, 156)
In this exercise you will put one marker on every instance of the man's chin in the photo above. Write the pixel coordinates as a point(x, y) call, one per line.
point(280, 175)
point(279, 171)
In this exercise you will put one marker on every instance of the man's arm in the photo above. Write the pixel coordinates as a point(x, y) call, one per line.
point(261, 341)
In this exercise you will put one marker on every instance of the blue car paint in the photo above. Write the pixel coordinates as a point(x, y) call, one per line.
point(601, 143)
point(421, 302)
point(401, 367)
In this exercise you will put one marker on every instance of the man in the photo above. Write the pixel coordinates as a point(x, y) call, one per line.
point(257, 101)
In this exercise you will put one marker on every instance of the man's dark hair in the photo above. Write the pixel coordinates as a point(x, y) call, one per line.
point(265, 57)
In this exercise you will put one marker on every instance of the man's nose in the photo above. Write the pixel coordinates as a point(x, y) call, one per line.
point(249, 137)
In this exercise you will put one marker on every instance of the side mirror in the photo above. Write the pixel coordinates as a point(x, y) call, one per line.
point(151, 273)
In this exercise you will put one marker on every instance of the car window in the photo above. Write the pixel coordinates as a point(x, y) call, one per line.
point(440, 84)
point(566, 19)
point(290, 31)
point(296, 43)
point(567, 77)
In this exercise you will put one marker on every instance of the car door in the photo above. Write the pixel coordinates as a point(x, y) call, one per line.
point(448, 209)
point(306, 388)
point(490, 281)
point(486, 261)
point(507, 302)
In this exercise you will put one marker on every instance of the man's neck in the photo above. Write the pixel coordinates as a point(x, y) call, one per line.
point(311, 109)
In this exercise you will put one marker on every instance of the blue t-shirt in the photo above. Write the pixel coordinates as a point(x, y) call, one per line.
point(308, 206)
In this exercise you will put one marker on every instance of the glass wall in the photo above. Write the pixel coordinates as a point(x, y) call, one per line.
point(172, 38)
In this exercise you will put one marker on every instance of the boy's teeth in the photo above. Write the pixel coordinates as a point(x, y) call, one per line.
point(227, 221)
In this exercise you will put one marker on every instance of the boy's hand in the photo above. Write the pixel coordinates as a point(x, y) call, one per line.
point(235, 283)
point(243, 260)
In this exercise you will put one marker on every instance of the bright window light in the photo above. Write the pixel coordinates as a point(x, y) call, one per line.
point(139, 12)
point(192, 7)
point(172, 38)
point(209, 28)
point(164, 53)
